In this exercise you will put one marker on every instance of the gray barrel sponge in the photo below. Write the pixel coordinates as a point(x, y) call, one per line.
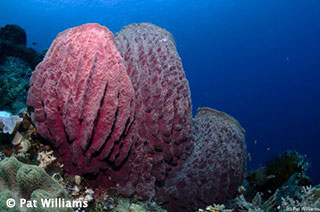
point(19, 180)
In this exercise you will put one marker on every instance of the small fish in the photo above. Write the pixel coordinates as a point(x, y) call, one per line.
point(271, 176)
point(249, 156)
point(34, 43)
point(268, 149)
point(255, 142)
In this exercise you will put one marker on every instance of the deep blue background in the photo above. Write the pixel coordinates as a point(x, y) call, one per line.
point(256, 60)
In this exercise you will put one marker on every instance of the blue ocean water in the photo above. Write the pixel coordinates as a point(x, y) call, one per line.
point(258, 61)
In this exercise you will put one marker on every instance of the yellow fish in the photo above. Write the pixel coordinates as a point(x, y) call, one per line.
point(249, 156)
point(255, 142)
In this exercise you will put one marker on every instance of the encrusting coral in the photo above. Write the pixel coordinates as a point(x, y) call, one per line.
point(19, 180)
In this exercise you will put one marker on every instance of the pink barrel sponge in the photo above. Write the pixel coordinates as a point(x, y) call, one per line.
point(124, 118)
point(163, 103)
point(215, 168)
point(83, 100)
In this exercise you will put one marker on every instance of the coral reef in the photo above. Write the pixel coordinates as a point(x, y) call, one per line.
point(83, 101)
point(14, 84)
point(306, 200)
point(163, 104)
point(215, 168)
point(285, 173)
point(283, 181)
point(13, 43)
point(120, 204)
point(16, 64)
point(118, 113)
point(18, 180)
point(284, 166)
point(13, 33)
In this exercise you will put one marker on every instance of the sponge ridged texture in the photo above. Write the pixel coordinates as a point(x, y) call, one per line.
point(83, 100)
point(163, 103)
point(215, 168)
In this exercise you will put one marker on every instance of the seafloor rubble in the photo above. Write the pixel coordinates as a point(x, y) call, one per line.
point(109, 123)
